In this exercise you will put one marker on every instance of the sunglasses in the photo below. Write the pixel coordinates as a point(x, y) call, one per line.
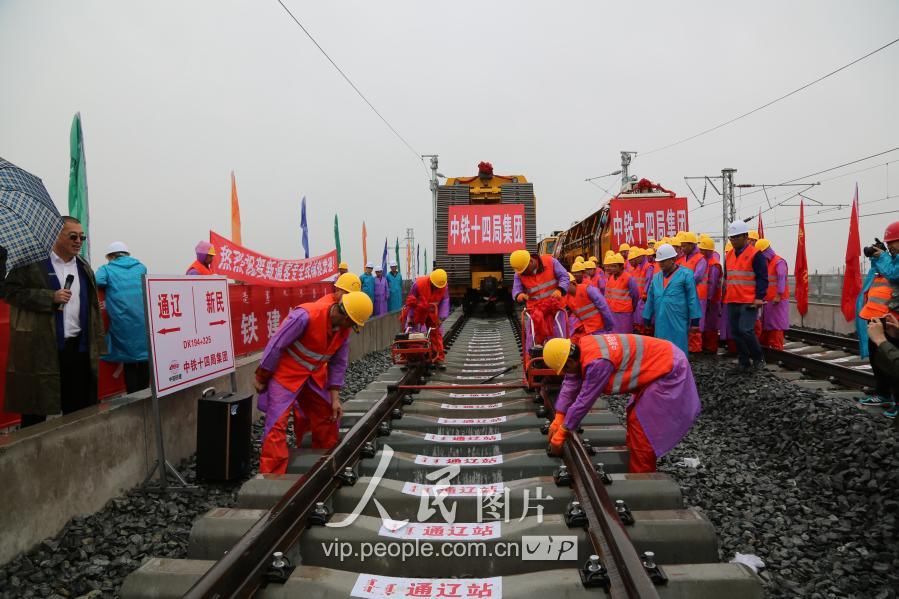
point(76, 237)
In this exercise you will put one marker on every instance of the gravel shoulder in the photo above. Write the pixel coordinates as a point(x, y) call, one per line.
point(807, 482)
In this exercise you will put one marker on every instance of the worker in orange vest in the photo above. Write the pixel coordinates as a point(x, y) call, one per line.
point(713, 305)
point(664, 404)
point(696, 261)
point(203, 264)
point(622, 294)
point(539, 283)
point(589, 312)
point(427, 305)
point(776, 312)
point(592, 277)
point(641, 273)
point(746, 285)
point(303, 367)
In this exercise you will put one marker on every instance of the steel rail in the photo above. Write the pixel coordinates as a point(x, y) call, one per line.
point(242, 571)
point(824, 369)
point(848, 344)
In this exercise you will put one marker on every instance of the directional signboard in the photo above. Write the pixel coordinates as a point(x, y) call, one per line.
point(189, 321)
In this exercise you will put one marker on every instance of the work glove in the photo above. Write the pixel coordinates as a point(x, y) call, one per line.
point(557, 440)
point(522, 297)
point(557, 293)
point(556, 423)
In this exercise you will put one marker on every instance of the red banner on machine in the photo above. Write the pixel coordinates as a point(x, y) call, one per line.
point(485, 229)
point(241, 264)
point(634, 221)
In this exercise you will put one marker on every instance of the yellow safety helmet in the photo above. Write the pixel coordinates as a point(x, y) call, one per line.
point(623, 247)
point(519, 260)
point(593, 259)
point(438, 278)
point(348, 282)
point(650, 252)
point(556, 352)
point(211, 251)
point(636, 252)
point(570, 278)
point(706, 243)
point(614, 259)
point(676, 240)
point(579, 259)
point(689, 237)
point(762, 244)
point(579, 267)
point(591, 263)
point(728, 247)
point(609, 253)
point(343, 266)
point(650, 241)
point(357, 306)
point(754, 235)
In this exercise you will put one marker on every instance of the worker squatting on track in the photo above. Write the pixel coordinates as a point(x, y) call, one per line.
point(427, 305)
point(664, 404)
point(302, 371)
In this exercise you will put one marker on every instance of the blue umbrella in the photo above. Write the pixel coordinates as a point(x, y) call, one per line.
point(29, 220)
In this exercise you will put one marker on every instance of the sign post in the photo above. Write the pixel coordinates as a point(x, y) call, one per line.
point(190, 340)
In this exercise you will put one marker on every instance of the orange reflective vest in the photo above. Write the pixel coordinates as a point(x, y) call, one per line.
point(583, 307)
point(638, 360)
point(641, 276)
point(740, 288)
point(702, 287)
point(200, 268)
point(618, 293)
point(876, 299)
point(542, 284)
point(714, 263)
point(308, 356)
point(772, 280)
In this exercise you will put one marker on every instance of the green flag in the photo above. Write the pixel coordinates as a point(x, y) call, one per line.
point(78, 182)
point(337, 237)
point(397, 252)
point(427, 268)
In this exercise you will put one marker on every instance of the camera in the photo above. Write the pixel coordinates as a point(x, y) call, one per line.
point(877, 245)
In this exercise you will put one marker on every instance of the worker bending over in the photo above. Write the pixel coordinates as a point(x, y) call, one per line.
point(539, 283)
point(664, 404)
point(427, 305)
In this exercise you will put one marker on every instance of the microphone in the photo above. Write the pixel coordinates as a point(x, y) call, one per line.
point(69, 280)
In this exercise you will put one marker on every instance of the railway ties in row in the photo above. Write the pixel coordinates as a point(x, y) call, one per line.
point(523, 523)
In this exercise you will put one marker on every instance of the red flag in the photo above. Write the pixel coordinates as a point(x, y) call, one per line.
point(235, 212)
point(761, 228)
point(801, 271)
point(852, 277)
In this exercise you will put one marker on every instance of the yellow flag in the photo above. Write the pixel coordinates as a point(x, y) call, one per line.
point(235, 212)
point(364, 249)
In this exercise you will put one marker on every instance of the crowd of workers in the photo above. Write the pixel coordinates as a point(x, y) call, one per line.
point(627, 327)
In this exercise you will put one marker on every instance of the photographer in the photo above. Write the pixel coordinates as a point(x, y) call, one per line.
point(882, 298)
point(885, 354)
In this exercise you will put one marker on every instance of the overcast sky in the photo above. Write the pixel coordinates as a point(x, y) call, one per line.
point(174, 95)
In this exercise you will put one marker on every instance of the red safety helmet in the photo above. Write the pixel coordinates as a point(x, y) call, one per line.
point(892, 232)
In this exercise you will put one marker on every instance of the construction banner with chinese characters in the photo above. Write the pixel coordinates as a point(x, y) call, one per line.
point(485, 229)
point(189, 321)
point(242, 264)
point(633, 221)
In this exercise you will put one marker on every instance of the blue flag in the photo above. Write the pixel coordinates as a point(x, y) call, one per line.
point(417, 259)
point(384, 258)
point(304, 226)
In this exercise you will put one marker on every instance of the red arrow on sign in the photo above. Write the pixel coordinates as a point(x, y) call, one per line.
point(217, 322)
point(167, 331)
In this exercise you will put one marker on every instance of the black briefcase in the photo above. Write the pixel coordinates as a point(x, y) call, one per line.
point(224, 430)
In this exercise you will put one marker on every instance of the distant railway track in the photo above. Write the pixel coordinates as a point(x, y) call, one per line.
point(824, 356)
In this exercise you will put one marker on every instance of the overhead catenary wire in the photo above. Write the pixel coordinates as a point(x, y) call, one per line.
point(831, 220)
point(774, 101)
point(350, 82)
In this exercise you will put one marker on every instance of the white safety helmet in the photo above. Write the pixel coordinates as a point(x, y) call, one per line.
point(737, 227)
point(370, 265)
point(117, 247)
point(665, 252)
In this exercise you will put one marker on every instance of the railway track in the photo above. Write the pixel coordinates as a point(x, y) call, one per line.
point(462, 463)
point(824, 356)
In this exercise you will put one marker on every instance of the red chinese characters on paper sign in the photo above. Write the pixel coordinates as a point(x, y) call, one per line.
point(242, 264)
point(485, 229)
point(634, 221)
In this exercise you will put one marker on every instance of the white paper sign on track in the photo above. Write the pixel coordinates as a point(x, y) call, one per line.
point(190, 330)
point(378, 586)
point(440, 531)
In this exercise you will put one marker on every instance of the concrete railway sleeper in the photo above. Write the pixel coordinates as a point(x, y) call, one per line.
point(489, 513)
